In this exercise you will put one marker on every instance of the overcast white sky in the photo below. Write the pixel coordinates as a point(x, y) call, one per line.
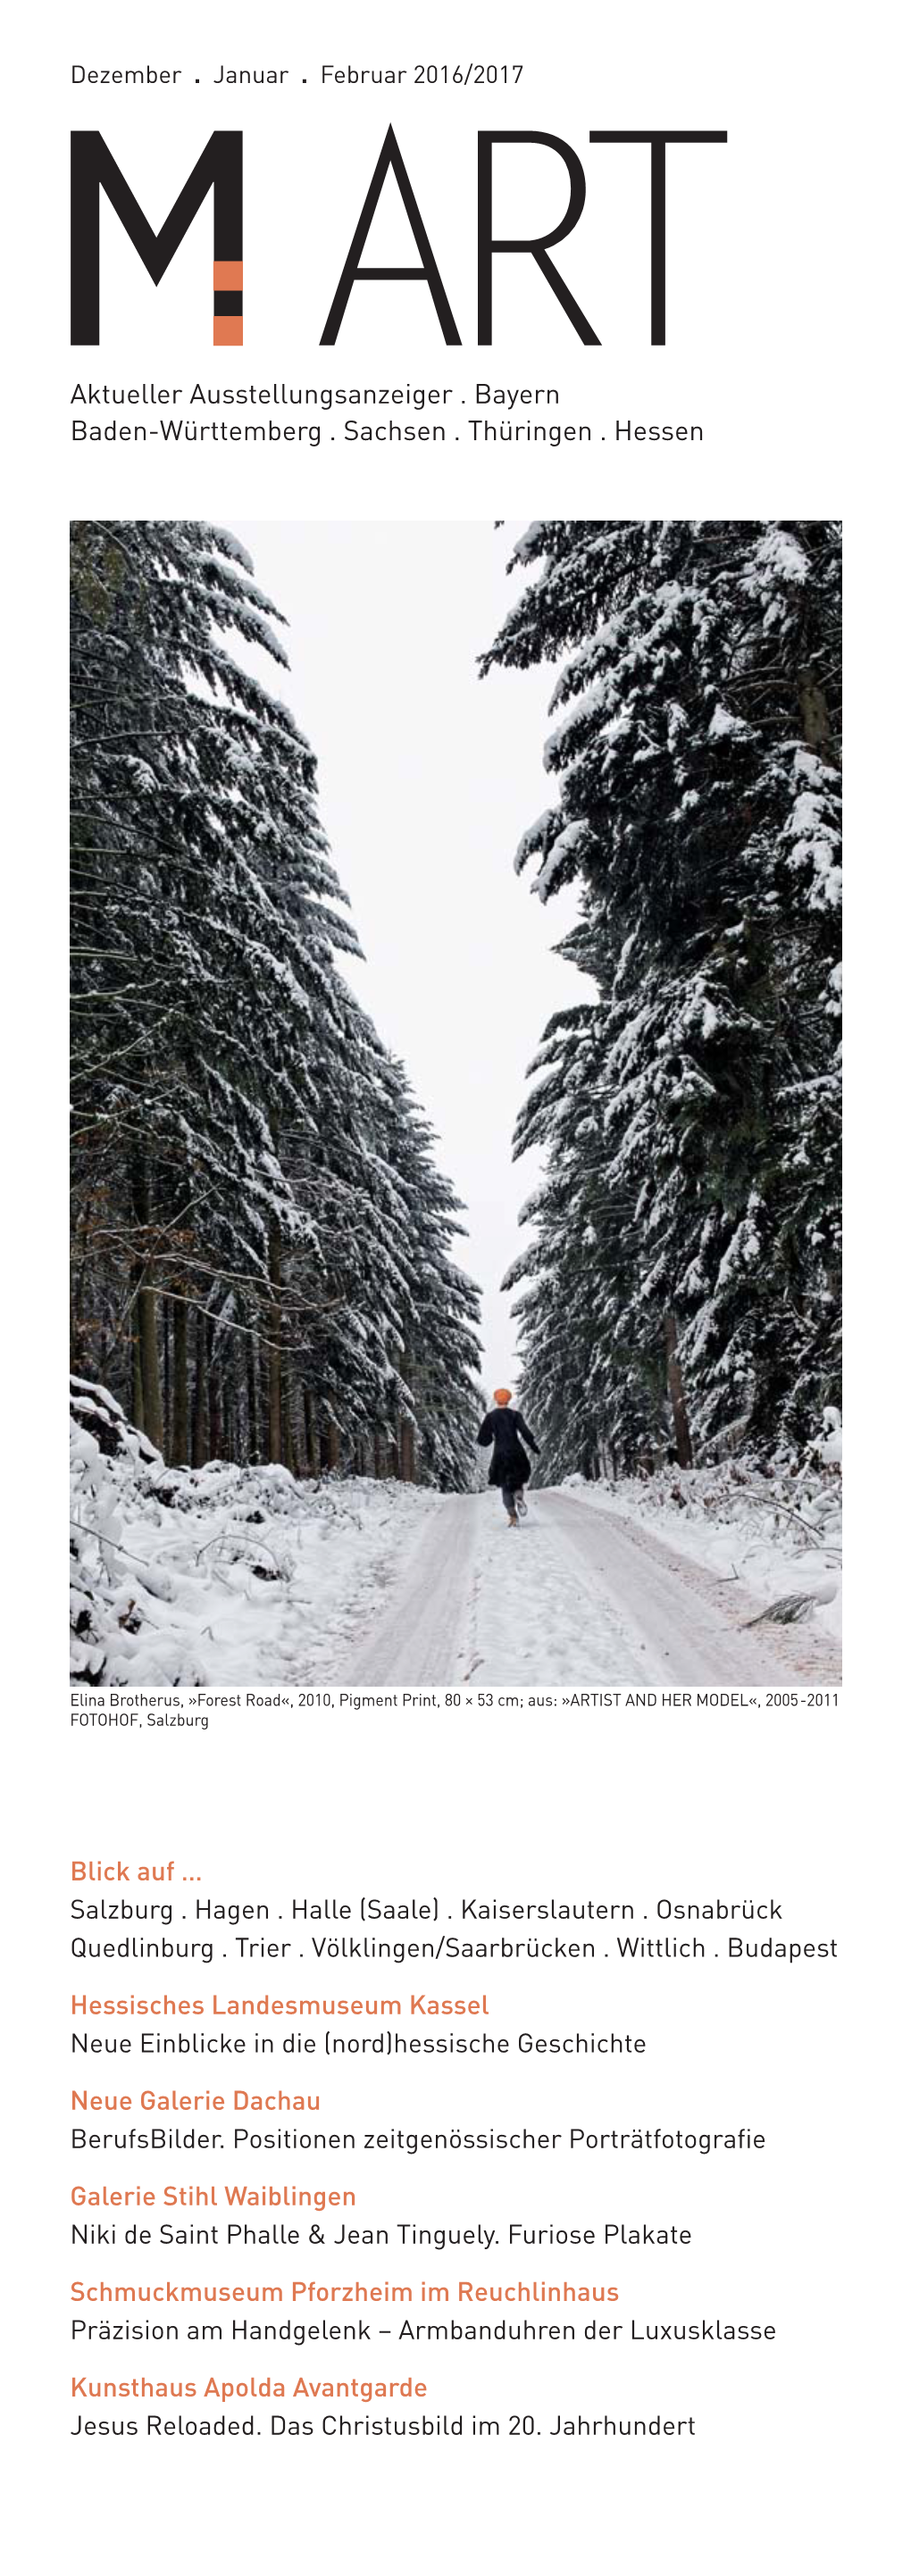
point(427, 777)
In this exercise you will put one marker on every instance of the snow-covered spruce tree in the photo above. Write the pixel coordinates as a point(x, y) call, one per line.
point(237, 1271)
point(392, 1339)
point(189, 1005)
point(440, 1354)
point(683, 1277)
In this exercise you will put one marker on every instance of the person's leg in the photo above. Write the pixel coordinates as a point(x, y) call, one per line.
point(508, 1502)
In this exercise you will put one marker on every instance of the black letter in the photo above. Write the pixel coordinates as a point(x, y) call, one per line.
point(93, 167)
point(539, 249)
point(390, 159)
point(658, 142)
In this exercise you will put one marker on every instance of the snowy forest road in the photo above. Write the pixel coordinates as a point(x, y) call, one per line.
point(575, 1596)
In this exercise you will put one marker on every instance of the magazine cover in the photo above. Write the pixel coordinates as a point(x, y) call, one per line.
point(453, 1941)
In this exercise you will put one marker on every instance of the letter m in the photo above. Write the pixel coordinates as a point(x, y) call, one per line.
point(220, 167)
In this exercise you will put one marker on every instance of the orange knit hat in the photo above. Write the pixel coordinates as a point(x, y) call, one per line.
point(502, 1395)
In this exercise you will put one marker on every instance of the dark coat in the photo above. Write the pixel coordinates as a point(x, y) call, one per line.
point(509, 1465)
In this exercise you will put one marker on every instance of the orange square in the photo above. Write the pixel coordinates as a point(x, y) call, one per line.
point(227, 273)
point(228, 331)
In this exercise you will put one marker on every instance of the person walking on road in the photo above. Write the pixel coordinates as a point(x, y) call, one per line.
point(505, 1431)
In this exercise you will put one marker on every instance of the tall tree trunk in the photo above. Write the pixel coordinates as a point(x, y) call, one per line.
point(300, 1437)
point(166, 1397)
point(215, 1438)
point(137, 1413)
point(814, 714)
point(180, 1418)
point(153, 1424)
point(405, 1427)
point(275, 1356)
point(812, 700)
point(682, 1438)
point(253, 1400)
point(147, 1320)
point(201, 1395)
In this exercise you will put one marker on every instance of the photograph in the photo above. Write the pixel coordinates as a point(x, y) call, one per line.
point(455, 1229)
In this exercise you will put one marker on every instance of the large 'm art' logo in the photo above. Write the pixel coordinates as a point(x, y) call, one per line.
point(219, 170)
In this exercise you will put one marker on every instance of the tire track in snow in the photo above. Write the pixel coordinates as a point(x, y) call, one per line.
point(573, 1597)
point(687, 1621)
point(484, 1604)
point(423, 1634)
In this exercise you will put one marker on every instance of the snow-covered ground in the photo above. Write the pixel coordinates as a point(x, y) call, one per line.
point(224, 1575)
point(778, 1531)
point(230, 1576)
